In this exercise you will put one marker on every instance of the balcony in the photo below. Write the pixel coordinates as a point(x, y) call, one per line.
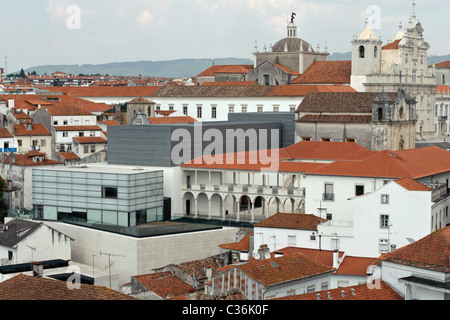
point(440, 191)
point(247, 189)
point(8, 150)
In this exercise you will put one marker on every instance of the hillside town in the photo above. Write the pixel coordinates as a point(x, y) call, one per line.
point(295, 178)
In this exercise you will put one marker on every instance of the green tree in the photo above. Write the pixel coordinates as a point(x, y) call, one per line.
point(22, 73)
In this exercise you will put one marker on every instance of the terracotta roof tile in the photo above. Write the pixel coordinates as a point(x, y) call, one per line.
point(335, 118)
point(443, 89)
point(242, 245)
point(360, 292)
point(211, 71)
point(291, 221)
point(164, 284)
point(340, 102)
point(36, 130)
point(392, 45)
point(77, 128)
point(323, 256)
point(284, 269)
point(214, 91)
point(355, 266)
point(431, 252)
point(116, 91)
point(4, 133)
point(444, 64)
point(412, 185)
point(332, 72)
point(302, 90)
point(68, 156)
point(229, 83)
point(23, 287)
point(90, 140)
point(414, 163)
point(165, 120)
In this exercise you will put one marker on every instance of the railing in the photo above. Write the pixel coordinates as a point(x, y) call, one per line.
point(248, 189)
point(8, 150)
point(440, 191)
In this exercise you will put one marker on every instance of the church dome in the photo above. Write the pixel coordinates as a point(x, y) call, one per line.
point(292, 45)
point(366, 33)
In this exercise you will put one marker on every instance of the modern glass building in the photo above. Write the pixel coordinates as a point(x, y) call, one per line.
point(98, 194)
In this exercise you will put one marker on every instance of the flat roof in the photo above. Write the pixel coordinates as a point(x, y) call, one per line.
point(103, 167)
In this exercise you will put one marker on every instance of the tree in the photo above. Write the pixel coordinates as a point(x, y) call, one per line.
point(22, 73)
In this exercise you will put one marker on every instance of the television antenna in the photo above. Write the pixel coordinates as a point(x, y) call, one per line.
point(109, 263)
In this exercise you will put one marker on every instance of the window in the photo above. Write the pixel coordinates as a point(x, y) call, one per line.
point(109, 192)
point(19, 143)
point(170, 107)
point(329, 216)
point(55, 123)
point(260, 109)
point(81, 134)
point(385, 198)
point(158, 107)
point(185, 110)
point(92, 134)
point(292, 108)
point(375, 52)
point(65, 122)
point(10, 255)
point(324, 286)
point(86, 149)
point(65, 134)
point(199, 112)
point(311, 288)
point(214, 112)
point(266, 79)
point(443, 79)
point(329, 192)
point(244, 109)
point(406, 58)
point(291, 240)
point(359, 190)
point(326, 139)
point(93, 148)
point(276, 108)
point(306, 138)
point(230, 109)
point(384, 221)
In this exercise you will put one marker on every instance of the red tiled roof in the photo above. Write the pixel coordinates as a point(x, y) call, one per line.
point(444, 64)
point(164, 284)
point(26, 160)
point(431, 252)
point(21, 116)
point(323, 256)
point(164, 113)
point(328, 150)
point(332, 72)
point(443, 89)
point(291, 221)
point(66, 110)
point(286, 69)
point(77, 128)
point(68, 155)
point(242, 245)
point(284, 269)
point(392, 45)
point(36, 130)
point(23, 287)
point(412, 185)
point(414, 163)
point(359, 292)
point(90, 140)
point(4, 133)
point(355, 266)
point(211, 71)
point(303, 90)
point(116, 91)
point(229, 83)
point(335, 118)
point(110, 123)
point(233, 69)
point(166, 120)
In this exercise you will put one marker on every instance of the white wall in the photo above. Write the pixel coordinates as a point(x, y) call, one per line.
point(409, 217)
point(134, 256)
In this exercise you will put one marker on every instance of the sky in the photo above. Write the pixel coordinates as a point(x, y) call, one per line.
point(41, 32)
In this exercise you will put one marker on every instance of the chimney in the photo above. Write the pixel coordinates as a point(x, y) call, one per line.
point(29, 126)
point(208, 272)
point(264, 252)
point(335, 258)
point(38, 269)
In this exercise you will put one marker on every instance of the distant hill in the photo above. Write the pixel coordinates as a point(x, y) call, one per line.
point(170, 68)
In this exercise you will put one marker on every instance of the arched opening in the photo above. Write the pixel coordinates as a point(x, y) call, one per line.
point(245, 207)
point(380, 114)
point(202, 205)
point(216, 205)
point(188, 203)
point(375, 52)
point(362, 51)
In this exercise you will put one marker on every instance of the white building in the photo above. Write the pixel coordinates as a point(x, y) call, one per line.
point(23, 241)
